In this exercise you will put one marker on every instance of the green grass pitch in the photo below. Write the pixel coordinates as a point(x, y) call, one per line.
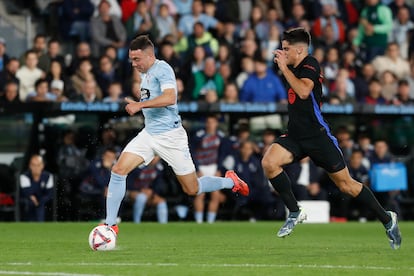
point(223, 248)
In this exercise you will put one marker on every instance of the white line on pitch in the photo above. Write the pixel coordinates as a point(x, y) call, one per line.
point(8, 272)
point(315, 266)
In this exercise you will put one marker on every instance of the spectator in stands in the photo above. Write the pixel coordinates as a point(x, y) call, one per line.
point(268, 136)
point(107, 30)
point(142, 22)
point(330, 18)
point(208, 79)
point(93, 187)
point(389, 83)
point(201, 37)
point(28, 74)
point(231, 93)
point(374, 26)
point(57, 88)
point(121, 66)
point(226, 71)
point(128, 7)
point(186, 22)
point(114, 93)
point(262, 28)
point(382, 155)
point(350, 63)
point(397, 5)
point(145, 186)
point(10, 94)
point(71, 164)
point(341, 95)
point(402, 26)
point(205, 146)
point(52, 54)
point(249, 48)
point(245, 163)
point(89, 92)
point(254, 18)
point(229, 36)
point(359, 172)
point(83, 73)
point(364, 144)
point(374, 95)
point(165, 23)
point(402, 96)
point(36, 189)
point(263, 86)
point(362, 81)
point(392, 61)
point(410, 80)
point(167, 53)
point(83, 50)
point(57, 72)
point(331, 67)
point(183, 7)
point(9, 73)
point(305, 177)
point(41, 92)
point(75, 19)
point(106, 74)
point(193, 63)
point(271, 43)
point(4, 57)
point(247, 68)
point(345, 141)
point(298, 12)
point(115, 8)
point(39, 46)
point(108, 139)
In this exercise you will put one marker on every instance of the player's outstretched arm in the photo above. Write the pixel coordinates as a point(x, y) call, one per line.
point(168, 97)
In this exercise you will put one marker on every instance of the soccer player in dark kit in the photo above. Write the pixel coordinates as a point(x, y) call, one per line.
point(309, 135)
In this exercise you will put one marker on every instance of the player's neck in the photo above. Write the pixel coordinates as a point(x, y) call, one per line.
point(299, 60)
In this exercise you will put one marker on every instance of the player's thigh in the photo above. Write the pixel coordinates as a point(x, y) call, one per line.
point(189, 183)
point(127, 161)
point(173, 148)
point(325, 152)
point(279, 153)
point(142, 145)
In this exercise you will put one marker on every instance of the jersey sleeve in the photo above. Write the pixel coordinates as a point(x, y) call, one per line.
point(166, 76)
point(310, 69)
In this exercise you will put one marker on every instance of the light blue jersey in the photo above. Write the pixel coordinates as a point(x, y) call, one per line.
point(158, 78)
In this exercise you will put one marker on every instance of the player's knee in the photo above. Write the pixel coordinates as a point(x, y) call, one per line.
point(269, 166)
point(119, 170)
point(191, 191)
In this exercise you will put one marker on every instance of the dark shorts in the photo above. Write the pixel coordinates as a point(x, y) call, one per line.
point(323, 150)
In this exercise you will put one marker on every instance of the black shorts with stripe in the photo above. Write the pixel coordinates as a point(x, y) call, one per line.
point(323, 150)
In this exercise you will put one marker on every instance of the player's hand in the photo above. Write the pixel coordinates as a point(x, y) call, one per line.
point(280, 59)
point(132, 106)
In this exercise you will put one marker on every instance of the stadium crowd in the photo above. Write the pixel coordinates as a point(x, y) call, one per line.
point(221, 51)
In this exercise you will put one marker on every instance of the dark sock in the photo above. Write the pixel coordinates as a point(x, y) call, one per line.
point(282, 185)
point(368, 198)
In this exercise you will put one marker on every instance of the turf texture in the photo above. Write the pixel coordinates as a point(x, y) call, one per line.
point(223, 248)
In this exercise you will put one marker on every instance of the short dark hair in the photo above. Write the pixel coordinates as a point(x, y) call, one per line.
point(297, 35)
point(141, 42)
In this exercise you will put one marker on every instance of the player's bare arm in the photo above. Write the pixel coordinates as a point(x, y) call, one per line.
point(168, 97)
point(302, 87)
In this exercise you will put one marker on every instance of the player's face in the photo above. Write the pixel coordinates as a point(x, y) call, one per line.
point(140, 59)
point(292, 52)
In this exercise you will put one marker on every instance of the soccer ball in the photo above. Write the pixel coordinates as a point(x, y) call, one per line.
point(102, 238)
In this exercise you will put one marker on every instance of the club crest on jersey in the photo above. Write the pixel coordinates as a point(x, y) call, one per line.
point(145, 94)
point(291, 96)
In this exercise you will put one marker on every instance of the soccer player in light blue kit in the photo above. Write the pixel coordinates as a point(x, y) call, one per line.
point(163, 134)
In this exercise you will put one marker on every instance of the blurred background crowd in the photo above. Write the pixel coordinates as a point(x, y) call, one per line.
point(221, 52)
